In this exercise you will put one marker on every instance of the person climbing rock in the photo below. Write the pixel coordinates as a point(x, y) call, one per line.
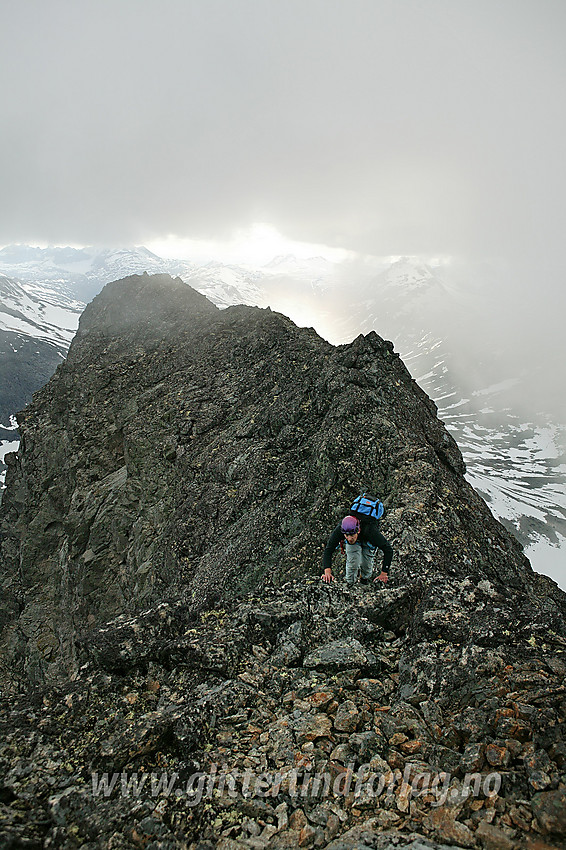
point(361, 539)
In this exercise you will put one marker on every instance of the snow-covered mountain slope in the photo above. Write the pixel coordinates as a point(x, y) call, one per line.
point(223, 284)
point(74, 273)
point(80, 273)
point(516, 460)
point(39, 311)
point(43, 292)
point(37, 324)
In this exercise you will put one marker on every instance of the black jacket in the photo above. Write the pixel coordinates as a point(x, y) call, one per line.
point(369, 533)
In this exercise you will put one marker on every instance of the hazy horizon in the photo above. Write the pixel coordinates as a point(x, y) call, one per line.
point(426, 127)
point(439, 312)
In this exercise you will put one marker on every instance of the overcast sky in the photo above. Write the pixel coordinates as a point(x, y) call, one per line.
point(384, 127)
point(389, 126)
point(430, 127)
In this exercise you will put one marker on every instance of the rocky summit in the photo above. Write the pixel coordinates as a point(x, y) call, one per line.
point(174, 673)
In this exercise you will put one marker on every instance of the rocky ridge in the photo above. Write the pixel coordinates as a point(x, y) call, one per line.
point(164, 629)
point(515, 463)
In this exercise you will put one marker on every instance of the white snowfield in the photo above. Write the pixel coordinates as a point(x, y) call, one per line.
point(33, 311)
point(517, 465)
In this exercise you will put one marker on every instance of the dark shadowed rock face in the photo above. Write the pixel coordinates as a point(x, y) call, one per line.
point(162, 533)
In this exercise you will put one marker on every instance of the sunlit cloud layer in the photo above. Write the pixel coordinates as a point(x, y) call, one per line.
point(374, 128)
point(255, 246)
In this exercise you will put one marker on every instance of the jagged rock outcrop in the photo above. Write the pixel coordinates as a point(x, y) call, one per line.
point(182, 451)
point(161, 540)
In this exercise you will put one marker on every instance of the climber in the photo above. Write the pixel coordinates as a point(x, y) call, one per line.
point(362, 539)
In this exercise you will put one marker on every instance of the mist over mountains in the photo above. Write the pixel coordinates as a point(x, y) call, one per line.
point(443, 319)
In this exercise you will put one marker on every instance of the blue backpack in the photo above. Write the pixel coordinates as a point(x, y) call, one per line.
point(367, 507)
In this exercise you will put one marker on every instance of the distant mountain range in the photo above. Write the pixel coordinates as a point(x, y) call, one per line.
point(515, 460)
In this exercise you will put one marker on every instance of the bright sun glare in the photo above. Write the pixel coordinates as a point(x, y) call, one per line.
point(255, 246)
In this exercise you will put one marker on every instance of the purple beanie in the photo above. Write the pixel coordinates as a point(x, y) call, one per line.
point(350, 525)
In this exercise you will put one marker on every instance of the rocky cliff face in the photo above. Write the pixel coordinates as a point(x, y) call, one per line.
point(161, 540)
